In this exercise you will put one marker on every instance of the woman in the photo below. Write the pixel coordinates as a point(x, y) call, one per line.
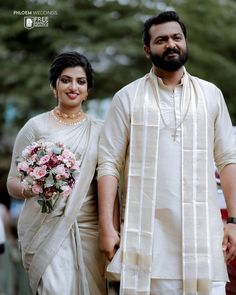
point(60, 249)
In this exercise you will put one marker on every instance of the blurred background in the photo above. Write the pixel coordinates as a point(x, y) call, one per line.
point(108, 32)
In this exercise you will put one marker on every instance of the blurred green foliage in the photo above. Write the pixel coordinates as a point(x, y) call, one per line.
point(108, 32)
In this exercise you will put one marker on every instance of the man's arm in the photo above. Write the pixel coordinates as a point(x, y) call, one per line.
point(108, 215)
point(228, 183)
point(112, 152)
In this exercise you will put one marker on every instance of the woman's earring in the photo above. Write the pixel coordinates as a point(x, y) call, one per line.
point(55, 93)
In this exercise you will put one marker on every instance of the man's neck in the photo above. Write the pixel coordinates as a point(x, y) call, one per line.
point(170, 79)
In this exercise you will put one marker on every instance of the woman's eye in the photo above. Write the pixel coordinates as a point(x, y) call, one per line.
point(65, 80)
point(82, 82)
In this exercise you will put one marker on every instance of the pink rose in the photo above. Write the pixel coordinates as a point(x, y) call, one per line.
point(67, 155)
point(44, 160)
point(37, 189)
point(60, 172)
point(39, 172)
point(66, 190)
point(22, 166)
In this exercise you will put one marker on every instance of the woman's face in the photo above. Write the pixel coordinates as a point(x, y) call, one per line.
point(71, 88)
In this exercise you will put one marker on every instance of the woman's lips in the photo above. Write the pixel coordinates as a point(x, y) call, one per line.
point(72, 95)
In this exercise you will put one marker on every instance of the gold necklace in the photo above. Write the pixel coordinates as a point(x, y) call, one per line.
point(68, 119)
point(181, 121)
point(73, 116)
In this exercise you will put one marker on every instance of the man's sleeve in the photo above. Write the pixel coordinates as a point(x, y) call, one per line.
point(114, 138)
point(225, 139)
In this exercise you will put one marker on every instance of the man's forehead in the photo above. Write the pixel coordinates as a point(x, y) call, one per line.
point(168, 28)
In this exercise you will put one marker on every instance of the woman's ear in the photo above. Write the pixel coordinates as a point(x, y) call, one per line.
point(54, 91)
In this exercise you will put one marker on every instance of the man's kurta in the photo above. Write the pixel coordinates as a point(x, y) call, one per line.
point(114, 157)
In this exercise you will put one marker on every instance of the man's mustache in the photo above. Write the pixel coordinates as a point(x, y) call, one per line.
point(170, 50)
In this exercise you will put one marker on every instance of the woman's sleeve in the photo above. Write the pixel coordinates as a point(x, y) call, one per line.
point(25, 137)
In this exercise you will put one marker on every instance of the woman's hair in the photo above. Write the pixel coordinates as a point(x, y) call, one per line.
point(164, 17)
point(68, 60)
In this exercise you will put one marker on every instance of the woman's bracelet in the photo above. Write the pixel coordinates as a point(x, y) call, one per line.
point(23, 194)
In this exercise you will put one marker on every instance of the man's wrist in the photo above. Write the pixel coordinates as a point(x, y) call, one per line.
point(231, 220)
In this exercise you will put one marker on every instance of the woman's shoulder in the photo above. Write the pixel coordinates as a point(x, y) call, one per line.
point(39, 117)
point(96, 125)
point(36, 122)
point(96, 121)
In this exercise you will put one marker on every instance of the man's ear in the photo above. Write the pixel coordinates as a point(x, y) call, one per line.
point(147, 51)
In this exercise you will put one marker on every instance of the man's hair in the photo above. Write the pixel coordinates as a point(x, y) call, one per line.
point(68, 60)
point(164, 17)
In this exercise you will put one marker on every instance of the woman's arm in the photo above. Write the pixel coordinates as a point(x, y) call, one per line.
point(24, 138)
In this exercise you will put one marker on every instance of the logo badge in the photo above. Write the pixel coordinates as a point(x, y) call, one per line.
point(29, 22)
point(35, 22)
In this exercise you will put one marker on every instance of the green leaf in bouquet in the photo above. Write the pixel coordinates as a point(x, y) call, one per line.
point(49, 206)
point(74, 172)
point(44, 207)
point(28, 179)
point(40, 201)
point(59, 184)
point(41, 153)
point(57, 150)
point(49, 181)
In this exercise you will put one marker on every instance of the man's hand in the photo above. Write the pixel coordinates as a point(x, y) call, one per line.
point(109, 242)
point(229, 242)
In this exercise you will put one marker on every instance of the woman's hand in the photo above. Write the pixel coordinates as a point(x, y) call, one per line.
point(17, 190)
point(26, 194)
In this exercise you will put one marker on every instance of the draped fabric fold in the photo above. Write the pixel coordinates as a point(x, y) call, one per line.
point(141, 193)
point(195, 225)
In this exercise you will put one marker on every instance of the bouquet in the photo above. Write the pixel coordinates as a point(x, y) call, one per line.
point(48, 170)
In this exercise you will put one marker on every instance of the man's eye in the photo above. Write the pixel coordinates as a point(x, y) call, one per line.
point(159, 41)
point(178, 38)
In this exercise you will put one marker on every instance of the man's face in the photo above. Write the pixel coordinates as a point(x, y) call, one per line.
point(168, 49)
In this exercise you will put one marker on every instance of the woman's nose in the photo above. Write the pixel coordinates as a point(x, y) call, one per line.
point(73, 85)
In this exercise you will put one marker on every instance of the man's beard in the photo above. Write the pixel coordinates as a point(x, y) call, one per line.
point(169, 64)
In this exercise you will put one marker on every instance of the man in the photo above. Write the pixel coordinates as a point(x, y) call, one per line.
point(164, 132)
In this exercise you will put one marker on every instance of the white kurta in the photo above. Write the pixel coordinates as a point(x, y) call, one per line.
point(114, 155)
point(168, 202)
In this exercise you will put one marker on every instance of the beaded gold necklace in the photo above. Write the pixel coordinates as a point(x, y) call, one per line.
point(68, 119)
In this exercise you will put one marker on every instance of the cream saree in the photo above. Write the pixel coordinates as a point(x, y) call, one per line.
point(61, 247)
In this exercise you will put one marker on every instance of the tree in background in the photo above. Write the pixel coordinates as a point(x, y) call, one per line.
point(108, 32)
